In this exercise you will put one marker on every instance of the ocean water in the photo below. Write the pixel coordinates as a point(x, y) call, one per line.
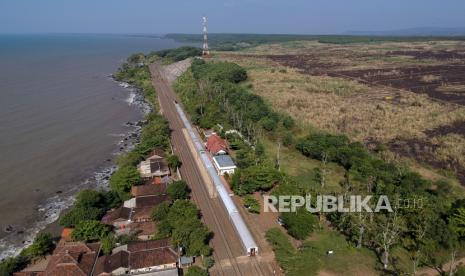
point(62, 122)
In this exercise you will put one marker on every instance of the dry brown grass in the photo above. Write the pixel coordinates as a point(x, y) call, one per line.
point(430, 78)
point(343, 106)
point(451, 149)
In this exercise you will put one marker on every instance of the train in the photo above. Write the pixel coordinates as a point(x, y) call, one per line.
point(247, 241)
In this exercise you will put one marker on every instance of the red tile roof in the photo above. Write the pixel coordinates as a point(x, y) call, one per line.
point(121, 213)
point(153, 257)
point(72, 259)
point(150, 201)
point(215, 144)
point(108, 263)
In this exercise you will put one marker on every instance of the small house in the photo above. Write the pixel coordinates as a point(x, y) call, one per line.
point(224, 164)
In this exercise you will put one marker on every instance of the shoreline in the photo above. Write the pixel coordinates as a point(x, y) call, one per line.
point(19, 237)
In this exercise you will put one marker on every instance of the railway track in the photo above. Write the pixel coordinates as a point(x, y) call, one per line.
point(225, 242)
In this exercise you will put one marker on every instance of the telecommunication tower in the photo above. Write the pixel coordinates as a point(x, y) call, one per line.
point(205, 51)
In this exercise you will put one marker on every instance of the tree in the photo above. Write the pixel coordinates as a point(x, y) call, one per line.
point(196, 271)
point(90, 230)
point(90, 198)
point(390, 228)
point(173, 161)
point(42, 245)
point(160, 212)
point(12, 264)
point(78, 214)
point(458, 222)
point(178, 190)
point(300, 223)
point(123, 179)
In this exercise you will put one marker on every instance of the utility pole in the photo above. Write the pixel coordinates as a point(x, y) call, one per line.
point(205, 51)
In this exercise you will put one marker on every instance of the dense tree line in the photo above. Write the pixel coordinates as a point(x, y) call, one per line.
point(177, 54)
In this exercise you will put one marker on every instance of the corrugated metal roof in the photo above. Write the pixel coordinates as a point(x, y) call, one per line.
point(224, 161)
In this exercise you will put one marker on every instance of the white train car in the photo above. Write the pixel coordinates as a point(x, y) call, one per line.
point(248, 242)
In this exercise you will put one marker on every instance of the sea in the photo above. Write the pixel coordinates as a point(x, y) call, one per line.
point(63, 121)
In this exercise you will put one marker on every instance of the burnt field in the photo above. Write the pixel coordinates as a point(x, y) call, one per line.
point(408, 97)
point(437, 81)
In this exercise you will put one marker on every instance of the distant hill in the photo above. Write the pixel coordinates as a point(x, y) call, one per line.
point(423, 31)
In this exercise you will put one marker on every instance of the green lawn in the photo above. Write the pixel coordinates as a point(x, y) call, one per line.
point(312, 258)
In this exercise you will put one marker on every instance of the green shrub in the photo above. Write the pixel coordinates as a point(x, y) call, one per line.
point(299, 224)
point(90, 230)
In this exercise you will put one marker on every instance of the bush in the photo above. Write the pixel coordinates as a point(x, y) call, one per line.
point(219, 71)
point(90, 230)
point(255, 178)
point(108, 243)
point(173, 161)
point(288, 139)
point(42, 245)
point(299, 224)
point(196, 271)
point(288, 122)
point(208, 262)
point(252, 204)
point(89, 205)
point(180, 53)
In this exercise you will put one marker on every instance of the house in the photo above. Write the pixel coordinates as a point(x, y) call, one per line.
point(115, 264)
point(142, 214)
point(153, 167)
point(70, 258)
point(224, 164)
point(146, 257)
point(143, 230)
point(216, 146)
point(185, 261)
point(119, 218)
point(145, 201)
point(149, 189)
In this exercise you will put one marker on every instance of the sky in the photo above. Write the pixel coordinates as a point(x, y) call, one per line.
point(226, 16)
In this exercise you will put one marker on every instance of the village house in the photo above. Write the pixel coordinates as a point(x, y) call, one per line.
point(145, 201)
point(119, 218)
point(143, 257)
point(216, 146)
point(69, 258)
point(149, 189)
point(155, 165)
point(224, 164)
